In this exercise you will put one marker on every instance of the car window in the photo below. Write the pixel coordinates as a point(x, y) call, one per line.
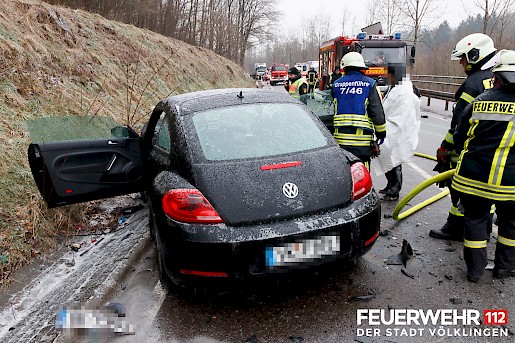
point(68, 128)
point(163, 138)
point(256, 130)
point(319, 102)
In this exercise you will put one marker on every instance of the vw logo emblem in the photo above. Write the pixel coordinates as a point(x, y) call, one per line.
point(290, 190)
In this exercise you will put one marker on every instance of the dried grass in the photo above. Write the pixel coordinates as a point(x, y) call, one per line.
point(100, 67)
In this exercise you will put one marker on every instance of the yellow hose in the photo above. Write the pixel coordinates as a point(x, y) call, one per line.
point(415, 191)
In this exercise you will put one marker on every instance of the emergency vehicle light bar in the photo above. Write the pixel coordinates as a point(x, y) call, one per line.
point(363, 35)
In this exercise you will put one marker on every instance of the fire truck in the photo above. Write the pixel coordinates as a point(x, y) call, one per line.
point(278, 73)
point(378, 51)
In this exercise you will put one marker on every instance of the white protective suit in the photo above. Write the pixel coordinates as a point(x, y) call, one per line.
point(402, 111)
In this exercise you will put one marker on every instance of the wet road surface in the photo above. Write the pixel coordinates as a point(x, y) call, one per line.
point(309, 307)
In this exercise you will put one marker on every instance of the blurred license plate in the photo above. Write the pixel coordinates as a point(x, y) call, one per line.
point(302, 251)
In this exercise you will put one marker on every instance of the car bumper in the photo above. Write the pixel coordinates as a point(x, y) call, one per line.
point(193, 252)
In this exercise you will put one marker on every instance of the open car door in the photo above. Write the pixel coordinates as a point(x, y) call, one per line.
point(73, 171)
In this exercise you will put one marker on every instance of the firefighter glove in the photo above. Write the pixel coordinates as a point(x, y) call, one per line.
point(380, 141)
point(442, 155)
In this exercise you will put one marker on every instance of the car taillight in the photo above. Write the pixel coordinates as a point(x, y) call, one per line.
point(361, 180)
point(189, 206)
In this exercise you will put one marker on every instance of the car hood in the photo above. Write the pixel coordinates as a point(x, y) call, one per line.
point(241, 192)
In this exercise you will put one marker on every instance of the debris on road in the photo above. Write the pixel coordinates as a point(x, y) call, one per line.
point(127, 211)
point(403, 256)
point(403, 271)
point(252, 339)
point(296, 339)
point(456, 301)
point(76, 246)
point(362, 297)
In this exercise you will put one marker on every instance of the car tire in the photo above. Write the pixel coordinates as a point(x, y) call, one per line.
point(272, 83)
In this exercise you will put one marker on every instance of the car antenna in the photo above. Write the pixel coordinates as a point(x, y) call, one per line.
point(240, 95)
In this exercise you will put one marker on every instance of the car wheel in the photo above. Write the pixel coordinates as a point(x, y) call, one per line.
point(272, 83)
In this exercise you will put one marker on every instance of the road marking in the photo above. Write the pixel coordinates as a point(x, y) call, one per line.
point(419, 170)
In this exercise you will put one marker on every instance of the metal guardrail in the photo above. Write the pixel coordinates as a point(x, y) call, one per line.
point(438, 87)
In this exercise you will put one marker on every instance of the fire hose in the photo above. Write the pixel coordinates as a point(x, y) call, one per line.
point(415, 191)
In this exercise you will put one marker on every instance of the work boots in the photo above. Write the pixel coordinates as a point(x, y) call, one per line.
point(448, 232)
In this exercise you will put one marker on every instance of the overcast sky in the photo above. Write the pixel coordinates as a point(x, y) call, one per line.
point(295, 10)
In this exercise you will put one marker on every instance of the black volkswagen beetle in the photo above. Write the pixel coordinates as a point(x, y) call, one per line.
point(240, 183)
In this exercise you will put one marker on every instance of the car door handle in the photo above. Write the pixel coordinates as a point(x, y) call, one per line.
point(112, 142)
point(111, 163)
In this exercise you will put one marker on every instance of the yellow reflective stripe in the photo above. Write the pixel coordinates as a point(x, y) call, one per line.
point(455, 211)
point(448, 138)
point(493, 107)
point(505, 241)
point(367, 164)
point(466, 185)
point(356, 120)
point(353, 136)
point(488, 83)
point(501, 155)
point(380, 128)
point(470, 134)
point(474, 244)
point(359, 131)
point(467, 97)
point(492, 209)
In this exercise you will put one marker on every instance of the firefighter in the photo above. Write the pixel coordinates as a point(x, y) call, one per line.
point(312, 77)
point(485, 174)
point(297, 85)
point(335, 76)
point(358, 110)
point(473, 52)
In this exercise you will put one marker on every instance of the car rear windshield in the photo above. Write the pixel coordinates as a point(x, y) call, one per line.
point(256, 130)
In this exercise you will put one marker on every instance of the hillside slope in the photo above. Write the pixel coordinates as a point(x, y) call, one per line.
point(58, 61)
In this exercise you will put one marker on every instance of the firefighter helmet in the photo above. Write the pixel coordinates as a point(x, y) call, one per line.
point(474, 47)
point(504, 66)
point(353, 59)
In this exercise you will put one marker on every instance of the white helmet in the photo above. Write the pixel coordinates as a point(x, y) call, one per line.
point(503, 64)
point(353, 59)
point(475, 47)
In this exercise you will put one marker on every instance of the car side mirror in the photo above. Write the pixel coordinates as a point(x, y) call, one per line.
point(123, 132)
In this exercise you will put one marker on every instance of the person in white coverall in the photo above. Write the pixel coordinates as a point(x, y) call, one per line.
point(402, 111)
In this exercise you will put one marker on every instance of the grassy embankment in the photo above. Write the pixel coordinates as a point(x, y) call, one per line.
point(58, 61)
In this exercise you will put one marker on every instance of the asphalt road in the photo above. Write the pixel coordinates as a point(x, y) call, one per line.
point(314, 307)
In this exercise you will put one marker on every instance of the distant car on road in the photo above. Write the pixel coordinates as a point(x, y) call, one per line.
point(240, 183)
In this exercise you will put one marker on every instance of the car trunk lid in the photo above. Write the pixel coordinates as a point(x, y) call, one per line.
point(265, 189)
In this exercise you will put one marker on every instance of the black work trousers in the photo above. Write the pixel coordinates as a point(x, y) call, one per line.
point(394, 178)
point(477, 219)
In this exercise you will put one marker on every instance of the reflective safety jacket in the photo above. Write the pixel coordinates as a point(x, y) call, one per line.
point(476, 83)
point(295, 86)
point(358, 113)
point(311, 77)
point(486, 133)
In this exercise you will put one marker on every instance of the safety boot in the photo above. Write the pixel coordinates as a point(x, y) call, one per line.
point(448, 232)
point(500, 273)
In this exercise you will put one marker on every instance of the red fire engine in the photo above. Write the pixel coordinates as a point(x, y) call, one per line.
point(379, 53)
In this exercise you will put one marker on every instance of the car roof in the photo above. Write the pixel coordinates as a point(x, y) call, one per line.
point(213, 98)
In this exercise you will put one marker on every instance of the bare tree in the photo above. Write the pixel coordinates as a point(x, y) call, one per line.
point(496, 14)
point(387, 12)
point(418, 13)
